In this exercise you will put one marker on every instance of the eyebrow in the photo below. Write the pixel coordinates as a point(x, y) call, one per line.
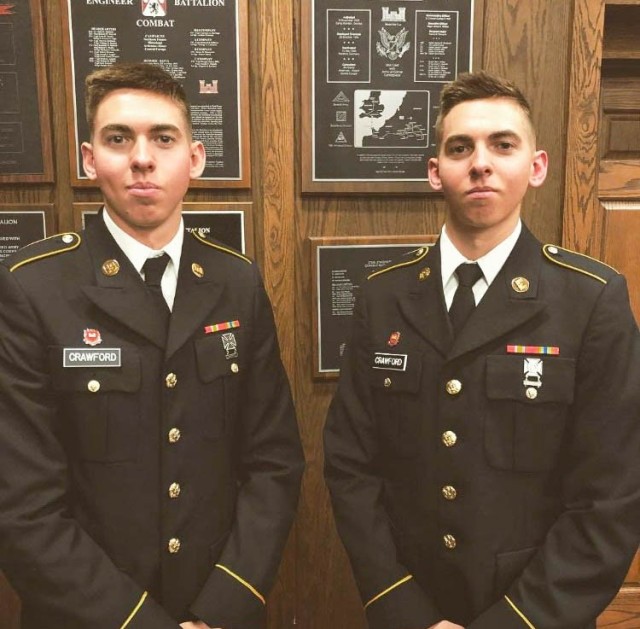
point(496, 135)
point(122, 128)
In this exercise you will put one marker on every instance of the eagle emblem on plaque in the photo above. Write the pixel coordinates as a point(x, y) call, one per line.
point(392, 46)
point(154, 8)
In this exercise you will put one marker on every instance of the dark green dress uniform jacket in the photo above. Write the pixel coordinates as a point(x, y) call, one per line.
point(160, 490)
point(469, 480)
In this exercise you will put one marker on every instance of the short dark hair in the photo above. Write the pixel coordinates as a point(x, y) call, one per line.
point(139, 76)
point(476, 86)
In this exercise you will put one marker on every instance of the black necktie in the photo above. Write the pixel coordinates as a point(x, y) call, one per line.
point(463, 301)
point(153, 271)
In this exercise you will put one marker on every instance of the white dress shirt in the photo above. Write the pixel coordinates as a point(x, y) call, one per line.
point(490, 264)
point(137, 253)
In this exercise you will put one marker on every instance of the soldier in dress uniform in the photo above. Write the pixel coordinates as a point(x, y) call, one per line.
point(482, 449)
point(149, 455)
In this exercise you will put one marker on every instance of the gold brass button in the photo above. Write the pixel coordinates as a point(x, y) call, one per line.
point(235, 368)
point(449, 438)
point(93, 386)
point(110, 268)
point(449, 542)
point(387, 382)
point(171, 381)
point(424, 274)
point(449, 492)
point(174, 435)
point(454, 387)
point(174, 545)
point(174, 490)
point(531, 393)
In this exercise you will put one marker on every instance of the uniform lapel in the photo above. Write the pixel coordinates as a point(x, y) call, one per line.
point(196, 296)
point(121, 295)
point(423, 304)
point(505, 307)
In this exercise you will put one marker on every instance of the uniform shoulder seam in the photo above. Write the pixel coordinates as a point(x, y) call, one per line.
point(67, 241)
point(220, 247)
point(591, 267)
point(418, 254)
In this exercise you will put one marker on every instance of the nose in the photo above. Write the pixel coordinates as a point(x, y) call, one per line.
point(142, 155)
point(481, 162)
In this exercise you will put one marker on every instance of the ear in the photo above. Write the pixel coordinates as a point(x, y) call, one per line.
point(433, 171)
point(198, 159)
point(539, 167)
point(88, 161)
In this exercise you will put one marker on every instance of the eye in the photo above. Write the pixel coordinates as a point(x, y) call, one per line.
point(166, 139)
point(458, 149)
point(116, 138)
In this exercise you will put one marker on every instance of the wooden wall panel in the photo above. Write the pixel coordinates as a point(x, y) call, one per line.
point(273, 194)
point(583, 222)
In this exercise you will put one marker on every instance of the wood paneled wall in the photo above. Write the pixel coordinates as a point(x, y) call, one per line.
point(528, 42)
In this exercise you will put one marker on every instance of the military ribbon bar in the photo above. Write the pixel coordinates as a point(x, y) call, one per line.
point(533, 349)
point(220, 327)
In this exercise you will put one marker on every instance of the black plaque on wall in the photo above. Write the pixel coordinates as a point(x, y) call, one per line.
point(18, 228)
point(200, 43)
point(25, 146)
point(229, 223)
point(340, 265)
point(375, 69)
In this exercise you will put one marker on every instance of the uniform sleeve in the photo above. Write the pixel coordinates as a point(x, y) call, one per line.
point(391, 597)
point(271, 464)
point(587, 552)
point(50, 560)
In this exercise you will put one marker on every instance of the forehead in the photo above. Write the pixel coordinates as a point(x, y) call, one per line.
point(136, 108)
point(485, 116)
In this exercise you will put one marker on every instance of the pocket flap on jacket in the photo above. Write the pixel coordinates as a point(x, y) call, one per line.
point(553, 380)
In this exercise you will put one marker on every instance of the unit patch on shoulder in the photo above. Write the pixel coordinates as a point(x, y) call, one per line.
point(413, 257)
point(45, 248)
point(579, 262)
point(219, 246)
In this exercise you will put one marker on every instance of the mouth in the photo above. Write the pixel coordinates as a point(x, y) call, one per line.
point(143, 185)
point(143, 189)
point(480, 192)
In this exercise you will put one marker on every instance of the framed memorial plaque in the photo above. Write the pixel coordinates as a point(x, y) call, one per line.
point(230, 223)
point(372, 74)
point(339, 266)
point(25, 130)
point(23, 224)
point(202, 43)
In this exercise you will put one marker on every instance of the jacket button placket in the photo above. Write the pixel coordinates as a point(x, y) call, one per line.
point(173, 487)
point(452, 404)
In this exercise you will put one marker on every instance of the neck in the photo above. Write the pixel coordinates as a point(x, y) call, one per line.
point(475, 243)
point(153, 236)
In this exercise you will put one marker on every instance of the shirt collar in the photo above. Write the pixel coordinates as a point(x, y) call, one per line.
point(136, 252)
point(490, 263)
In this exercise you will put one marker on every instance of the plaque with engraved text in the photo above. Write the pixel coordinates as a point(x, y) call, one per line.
point(25, 135)
point(339, 267)
point(201, 43)
point(374, 70)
